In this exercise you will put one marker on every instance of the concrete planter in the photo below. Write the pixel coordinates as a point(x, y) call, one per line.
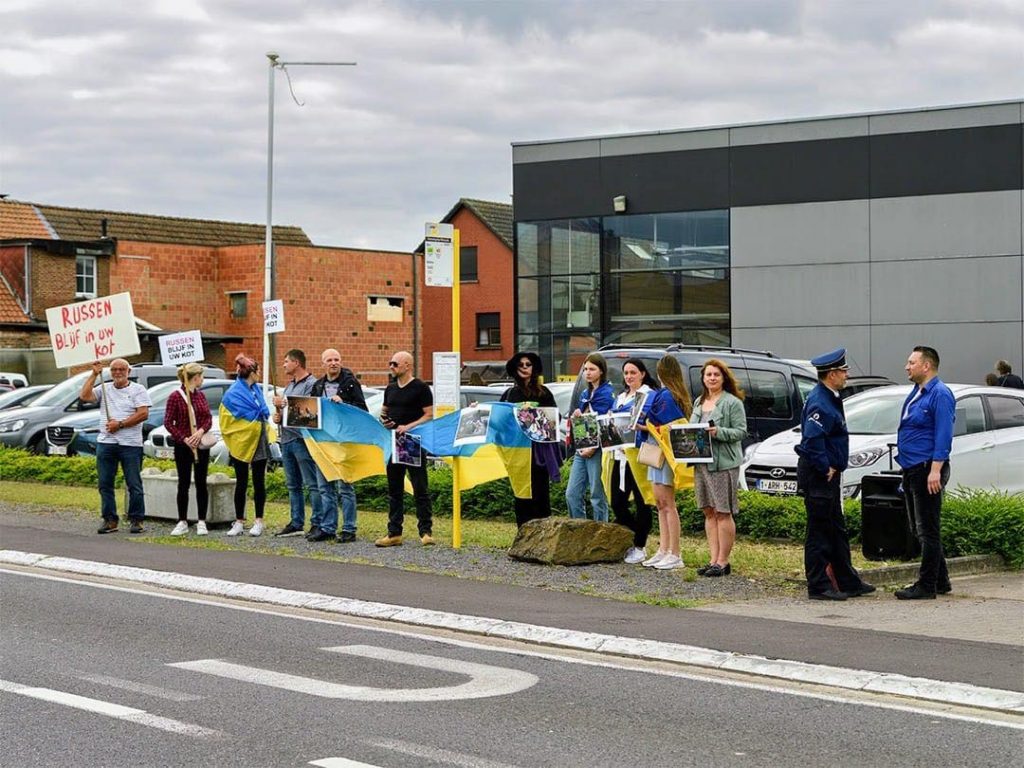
point(161, 489)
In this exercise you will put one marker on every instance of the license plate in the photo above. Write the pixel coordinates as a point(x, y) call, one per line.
point(58, 450)
point(164, 453)
point(777, 486)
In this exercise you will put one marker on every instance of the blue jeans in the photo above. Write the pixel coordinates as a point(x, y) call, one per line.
point(108, 456)
point(586, 475)
point(300, 473)
point(330, 491)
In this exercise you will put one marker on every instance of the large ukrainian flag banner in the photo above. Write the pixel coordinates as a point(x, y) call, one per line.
point(350, 444)
point(683, 472)
point(502, 455)
point(241, 411)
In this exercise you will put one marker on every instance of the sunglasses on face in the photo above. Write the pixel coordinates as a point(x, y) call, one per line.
point(392, 364)
point(526, 365)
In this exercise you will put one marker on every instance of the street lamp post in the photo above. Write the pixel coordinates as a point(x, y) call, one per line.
point(268, 270)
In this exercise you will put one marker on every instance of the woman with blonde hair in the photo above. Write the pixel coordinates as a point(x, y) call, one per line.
point(668, 404)
point(187, 419)
point(720, 406)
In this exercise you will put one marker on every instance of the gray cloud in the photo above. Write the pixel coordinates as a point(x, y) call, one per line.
point(163, 109)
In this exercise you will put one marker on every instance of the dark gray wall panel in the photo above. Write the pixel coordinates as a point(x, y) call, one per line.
point(943, 162)
point(561, 189)
point(800, 172)
point(668, 181)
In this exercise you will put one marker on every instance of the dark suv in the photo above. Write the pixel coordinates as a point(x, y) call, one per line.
point(775, 387)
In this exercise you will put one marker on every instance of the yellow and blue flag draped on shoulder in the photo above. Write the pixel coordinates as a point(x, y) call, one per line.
point(242, 414)
point(506, 452)
point(350, 444)
point(683, 472)
point(639, 474)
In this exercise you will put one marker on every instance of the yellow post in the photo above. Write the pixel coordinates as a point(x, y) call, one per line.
point(456, 496)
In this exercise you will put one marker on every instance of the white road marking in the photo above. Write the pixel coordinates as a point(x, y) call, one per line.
point(624, 664)
point(108, 709)
point(485, 681)
point(148, 690)
point(341, 762)
point(439, 755)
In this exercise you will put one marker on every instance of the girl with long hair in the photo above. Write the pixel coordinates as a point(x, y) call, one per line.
point(596, 397)
point(720, 405)
point(187, 419)
point(670, 403)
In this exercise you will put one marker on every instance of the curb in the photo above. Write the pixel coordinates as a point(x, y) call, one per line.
point(960, 694)
point(906, 573)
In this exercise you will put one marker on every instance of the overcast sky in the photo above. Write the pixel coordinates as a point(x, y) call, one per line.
point(160, 106)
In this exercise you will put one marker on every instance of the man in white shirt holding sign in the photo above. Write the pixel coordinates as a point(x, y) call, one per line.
point(124, 405)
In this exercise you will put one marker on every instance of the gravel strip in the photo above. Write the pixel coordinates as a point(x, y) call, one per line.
point(614, 580)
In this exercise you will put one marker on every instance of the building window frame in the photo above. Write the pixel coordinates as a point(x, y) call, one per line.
point(469, 271)
point(488, 330)
point(238, 304)
point(85, 276)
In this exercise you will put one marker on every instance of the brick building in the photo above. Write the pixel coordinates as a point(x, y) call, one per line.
point(487, 301)
point(190, 273)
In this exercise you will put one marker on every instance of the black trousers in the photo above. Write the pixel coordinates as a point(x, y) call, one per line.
point(827, 540)
point(187, 465)
point(396, 498)
point(259, 486)
point(640, 523)
point(925, 510)
point(539, 503)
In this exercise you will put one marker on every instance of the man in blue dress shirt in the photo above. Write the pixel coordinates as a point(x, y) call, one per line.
point(924, 440)
point(824, 452)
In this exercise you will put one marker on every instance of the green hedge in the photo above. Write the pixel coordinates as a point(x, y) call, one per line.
point(973, 522)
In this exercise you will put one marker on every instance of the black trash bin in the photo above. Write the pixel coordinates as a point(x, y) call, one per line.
point(886, 530)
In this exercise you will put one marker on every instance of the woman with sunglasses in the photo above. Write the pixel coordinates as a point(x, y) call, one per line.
point(525, 368)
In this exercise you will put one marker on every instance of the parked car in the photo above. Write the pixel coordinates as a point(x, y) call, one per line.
point(988, 441)
point(22, 396)
point(26, 427)
point(76, 433)
point(775, 388)
point(857, 384)
point(9, 381)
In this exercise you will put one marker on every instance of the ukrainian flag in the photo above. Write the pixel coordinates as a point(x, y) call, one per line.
point(683, 472)
point(506, 452)
point(350, 444)
point(639, 474)
point(243, 412)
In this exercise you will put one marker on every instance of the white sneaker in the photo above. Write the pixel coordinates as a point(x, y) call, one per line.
point(654, 559)
point(257, 528)
point(201, 528)
point(669, 563)
point(237, 529)
point(634, 555)
point(180, 529)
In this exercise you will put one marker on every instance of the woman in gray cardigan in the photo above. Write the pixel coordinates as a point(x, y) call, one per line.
point(715, 485)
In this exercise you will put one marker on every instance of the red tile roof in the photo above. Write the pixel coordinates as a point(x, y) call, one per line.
point(22, 220)
point(10, 310)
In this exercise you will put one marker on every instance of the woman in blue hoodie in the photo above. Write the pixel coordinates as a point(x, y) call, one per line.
point(596, 397)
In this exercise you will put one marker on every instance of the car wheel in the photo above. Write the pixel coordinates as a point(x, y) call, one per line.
point(38, 444)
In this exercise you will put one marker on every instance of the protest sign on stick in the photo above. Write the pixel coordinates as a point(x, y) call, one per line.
point(94, 329)
point(181, 348)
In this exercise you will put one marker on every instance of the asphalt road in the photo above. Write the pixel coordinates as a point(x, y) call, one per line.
point(100, 676)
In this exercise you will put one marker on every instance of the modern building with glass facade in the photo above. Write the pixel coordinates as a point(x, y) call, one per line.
point(875, 232)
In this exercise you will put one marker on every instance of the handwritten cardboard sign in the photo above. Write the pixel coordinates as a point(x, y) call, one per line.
point(273, 316)
point(94, 329)
point(181, 348)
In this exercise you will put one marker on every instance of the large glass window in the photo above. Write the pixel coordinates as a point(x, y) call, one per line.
point(636, 279)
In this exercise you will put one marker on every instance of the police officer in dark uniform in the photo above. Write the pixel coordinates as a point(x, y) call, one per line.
point(824, 452)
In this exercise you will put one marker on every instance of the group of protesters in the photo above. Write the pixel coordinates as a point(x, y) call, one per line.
point(633, 480)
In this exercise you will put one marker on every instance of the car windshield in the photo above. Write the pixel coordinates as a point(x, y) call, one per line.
point(67, 391)
point(874, 415)
point(158, 394)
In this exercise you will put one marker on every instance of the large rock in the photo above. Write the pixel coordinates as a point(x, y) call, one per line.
point(563, 541)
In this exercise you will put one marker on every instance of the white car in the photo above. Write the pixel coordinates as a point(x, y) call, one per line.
point(988, 442)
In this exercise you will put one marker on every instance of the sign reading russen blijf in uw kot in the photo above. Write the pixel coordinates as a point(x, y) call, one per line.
point(439, 255)
point(94, 329)
point(181, 348)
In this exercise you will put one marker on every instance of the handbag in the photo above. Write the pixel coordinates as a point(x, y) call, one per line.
point(208, 440)
point(651, 455)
